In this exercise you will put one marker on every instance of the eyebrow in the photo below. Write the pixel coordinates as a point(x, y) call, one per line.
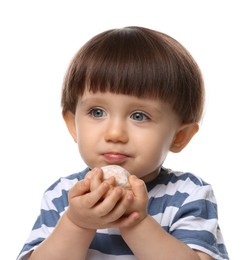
point(143, 104)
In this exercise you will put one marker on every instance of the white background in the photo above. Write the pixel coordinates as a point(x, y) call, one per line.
point(38, 40)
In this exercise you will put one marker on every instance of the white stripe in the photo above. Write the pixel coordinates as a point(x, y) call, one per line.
point(96, 255)
point(109, 231)
point(196, 223)
point(202, 192)
point(42, 232)
point(199, 192)
point(64, 184)
point(205, 250)
point(183, 186)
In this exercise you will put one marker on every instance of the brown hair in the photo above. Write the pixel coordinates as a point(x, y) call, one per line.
point(140, 62)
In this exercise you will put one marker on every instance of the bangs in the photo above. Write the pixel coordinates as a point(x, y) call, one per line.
point(133, 67)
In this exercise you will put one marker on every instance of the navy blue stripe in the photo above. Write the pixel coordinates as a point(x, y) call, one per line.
point(33, 243)
point(158, 205)
point(61, 202)
point(201, 238)
point(223, 251)
point(199, 208)
point(48, 218)
point(162, 178)
point(184, 176)
point(186, 236)
point(165, 176)
point(110, 244)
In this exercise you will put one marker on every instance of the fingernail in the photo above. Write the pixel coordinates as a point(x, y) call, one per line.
point(95, 170)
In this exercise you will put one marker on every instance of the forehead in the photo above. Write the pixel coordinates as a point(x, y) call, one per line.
point(107, 96)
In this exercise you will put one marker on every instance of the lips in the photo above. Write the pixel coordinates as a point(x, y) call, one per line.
point(113, 157)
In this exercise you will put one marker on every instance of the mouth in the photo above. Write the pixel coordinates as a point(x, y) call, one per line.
point(115, 158)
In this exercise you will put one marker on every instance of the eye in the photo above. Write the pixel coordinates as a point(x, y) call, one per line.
point(139, 116)
point(97, 112)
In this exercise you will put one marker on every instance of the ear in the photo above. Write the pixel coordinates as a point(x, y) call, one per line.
point(183, 136)
point(69, 119)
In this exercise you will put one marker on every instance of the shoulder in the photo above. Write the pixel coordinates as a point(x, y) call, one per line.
point(176, 181)
point(192, 185)
point(187, 177)
point(59, 189)
point(179, 188)
point(187, 182)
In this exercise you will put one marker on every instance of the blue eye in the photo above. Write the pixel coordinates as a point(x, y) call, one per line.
point(138, 116)
point(97, 112)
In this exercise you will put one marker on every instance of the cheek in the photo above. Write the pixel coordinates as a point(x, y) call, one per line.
point(86, 152)
point(84, 140)
point(160, 149)
point(85, 133)
point(88, 140)
point(160, 146)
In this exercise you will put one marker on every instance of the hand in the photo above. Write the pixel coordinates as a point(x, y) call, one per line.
point(138, 191)
point(140, 201)
point(92, 210)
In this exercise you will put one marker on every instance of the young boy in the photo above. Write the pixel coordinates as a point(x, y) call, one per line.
point(130, 96)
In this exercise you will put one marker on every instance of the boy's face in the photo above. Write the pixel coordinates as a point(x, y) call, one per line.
point(135, 133)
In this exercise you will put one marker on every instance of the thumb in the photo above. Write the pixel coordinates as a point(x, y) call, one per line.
point(138, 187)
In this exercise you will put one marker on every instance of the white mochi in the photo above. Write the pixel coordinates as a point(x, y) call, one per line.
point(121, 175)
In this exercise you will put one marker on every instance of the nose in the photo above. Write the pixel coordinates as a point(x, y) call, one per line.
point(116, 131)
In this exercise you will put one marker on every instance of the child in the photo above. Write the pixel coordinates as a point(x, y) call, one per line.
point(130, 96)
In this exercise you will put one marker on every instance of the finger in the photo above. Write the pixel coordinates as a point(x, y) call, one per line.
point(111, 180)
point(92, 198)
point(81, 187)
point(96, 178)
point(116, 204)
point(127, 221)
point(138, 187)
point(98, 174)
point(110, 201)
point(91, 173)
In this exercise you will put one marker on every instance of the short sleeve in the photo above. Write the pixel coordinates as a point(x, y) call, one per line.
point(196, 223)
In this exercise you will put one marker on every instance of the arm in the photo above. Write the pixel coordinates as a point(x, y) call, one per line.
point(148, 239)
point(67, 241)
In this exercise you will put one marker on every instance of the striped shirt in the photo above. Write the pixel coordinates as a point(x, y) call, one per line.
point(182, 203)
